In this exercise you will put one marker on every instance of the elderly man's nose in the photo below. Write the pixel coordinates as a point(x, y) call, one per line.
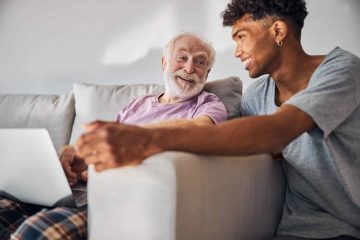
point(189, 67)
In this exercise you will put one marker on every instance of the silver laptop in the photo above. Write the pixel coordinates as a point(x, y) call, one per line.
point(31, 172)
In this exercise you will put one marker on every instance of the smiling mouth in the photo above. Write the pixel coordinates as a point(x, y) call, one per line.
point(186, 79)
point(247, 62)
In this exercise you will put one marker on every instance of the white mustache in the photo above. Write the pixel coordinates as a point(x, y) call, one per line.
point(187, 76)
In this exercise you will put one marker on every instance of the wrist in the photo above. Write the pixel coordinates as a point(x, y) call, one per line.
point(154, 143)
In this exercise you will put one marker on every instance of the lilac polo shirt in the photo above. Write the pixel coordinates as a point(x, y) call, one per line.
point(147, 109)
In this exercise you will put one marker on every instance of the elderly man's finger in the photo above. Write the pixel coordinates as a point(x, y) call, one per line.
point(70, 173)
point(84, 176)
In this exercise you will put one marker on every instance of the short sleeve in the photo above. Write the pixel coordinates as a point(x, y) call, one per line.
point(210, 105)
point(333, 91)
point(125, 111)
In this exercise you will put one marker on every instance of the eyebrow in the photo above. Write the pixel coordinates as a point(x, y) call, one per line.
point(237, 31)
point(196, 54)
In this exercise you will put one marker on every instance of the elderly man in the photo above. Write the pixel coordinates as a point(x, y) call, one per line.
point(306, 107)
point(187, 61)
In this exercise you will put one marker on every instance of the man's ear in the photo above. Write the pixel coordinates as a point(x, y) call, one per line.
point(280, 29)
point(163, 62)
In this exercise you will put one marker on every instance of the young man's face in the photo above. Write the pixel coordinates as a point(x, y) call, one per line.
point(255, 46)
point(186, 69)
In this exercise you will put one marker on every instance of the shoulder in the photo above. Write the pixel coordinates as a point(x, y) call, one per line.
point(210, 105)
point(142, 99)
point(205, 97)
point(340, 55)
point(339, 68)
point(340, 61)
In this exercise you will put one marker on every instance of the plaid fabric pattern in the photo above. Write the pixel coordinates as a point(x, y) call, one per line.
point(12, 214)
point(33, 222)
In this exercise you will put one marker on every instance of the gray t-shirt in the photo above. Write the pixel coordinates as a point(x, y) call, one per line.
point(322, 166)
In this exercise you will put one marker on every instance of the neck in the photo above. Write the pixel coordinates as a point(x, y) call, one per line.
point(294, 71)
point(167, 98)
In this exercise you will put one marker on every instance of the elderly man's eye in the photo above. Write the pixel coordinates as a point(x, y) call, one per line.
point(181, 58)
point(200, 62)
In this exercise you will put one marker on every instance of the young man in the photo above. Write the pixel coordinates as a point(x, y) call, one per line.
point(186, 62)
point(306, 107)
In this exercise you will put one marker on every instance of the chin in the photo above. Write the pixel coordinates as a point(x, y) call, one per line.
point(255, 74)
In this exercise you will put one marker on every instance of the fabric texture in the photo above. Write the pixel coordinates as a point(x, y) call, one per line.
point(229, 90)
point(182, 196)
point(322, 166)
point(151, 110)
point(96, 102)
point(26, 221)
point(53, 112)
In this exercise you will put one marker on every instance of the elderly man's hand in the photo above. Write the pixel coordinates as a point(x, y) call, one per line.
point(75, 168)
point(111, 145)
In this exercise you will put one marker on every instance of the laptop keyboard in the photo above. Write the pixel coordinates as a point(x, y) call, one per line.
point(80, 197)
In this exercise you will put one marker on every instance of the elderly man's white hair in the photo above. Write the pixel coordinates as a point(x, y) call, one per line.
point(169, 47)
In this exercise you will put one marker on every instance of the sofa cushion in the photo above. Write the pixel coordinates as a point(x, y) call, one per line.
point(53, 112)
point(229, 90)
point(96, 102)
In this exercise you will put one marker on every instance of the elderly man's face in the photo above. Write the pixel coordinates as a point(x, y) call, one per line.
point(186, 69)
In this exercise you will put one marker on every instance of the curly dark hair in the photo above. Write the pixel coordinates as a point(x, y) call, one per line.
point(293, 11)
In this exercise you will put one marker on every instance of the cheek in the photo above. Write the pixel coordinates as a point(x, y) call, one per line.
point(176, 66)
point(200, 73)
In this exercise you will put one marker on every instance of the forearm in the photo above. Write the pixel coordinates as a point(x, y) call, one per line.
point(242, 136)
point(236, 137)
point(119, 145)
point(181, 123)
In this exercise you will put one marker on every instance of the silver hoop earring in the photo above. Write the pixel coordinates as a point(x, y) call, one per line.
point(279, 43)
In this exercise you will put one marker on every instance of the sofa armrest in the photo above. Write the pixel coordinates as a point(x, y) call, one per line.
point(177, 195)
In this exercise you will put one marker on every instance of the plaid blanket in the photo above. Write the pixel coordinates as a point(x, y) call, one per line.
point(27, 221)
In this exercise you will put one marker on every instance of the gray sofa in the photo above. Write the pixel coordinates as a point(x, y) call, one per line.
point(172, 195)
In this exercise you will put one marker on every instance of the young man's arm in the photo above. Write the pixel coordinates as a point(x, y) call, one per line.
point(108, 145)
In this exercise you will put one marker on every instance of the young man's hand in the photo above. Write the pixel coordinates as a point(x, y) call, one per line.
point(111, 145)
point(74, 167)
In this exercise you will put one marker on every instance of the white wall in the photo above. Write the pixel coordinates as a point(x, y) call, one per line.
point(47, 45)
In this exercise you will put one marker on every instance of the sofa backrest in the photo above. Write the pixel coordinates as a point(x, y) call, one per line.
point(92, 102)
point(96, 102)
point(53, 112)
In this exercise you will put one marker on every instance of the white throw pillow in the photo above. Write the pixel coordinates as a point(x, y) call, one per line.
point(96, 102)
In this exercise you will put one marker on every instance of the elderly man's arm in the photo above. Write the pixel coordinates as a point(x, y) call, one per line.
point(182, 123)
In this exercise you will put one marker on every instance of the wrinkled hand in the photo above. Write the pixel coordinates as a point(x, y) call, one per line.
point(74, 167)
point(111, 145)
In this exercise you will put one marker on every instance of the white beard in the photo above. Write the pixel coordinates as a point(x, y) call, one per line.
point(176, 90)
